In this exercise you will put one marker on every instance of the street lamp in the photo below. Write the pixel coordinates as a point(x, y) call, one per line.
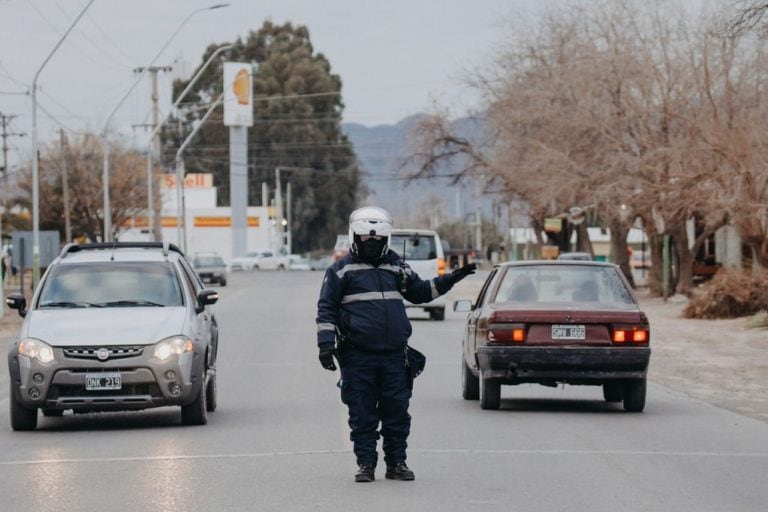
point(107, 235)
point(156, 130)
point(35, 166)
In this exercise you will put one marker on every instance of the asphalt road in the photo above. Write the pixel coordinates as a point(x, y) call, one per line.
point(279, 439)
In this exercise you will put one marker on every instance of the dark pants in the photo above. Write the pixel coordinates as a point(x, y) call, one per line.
point(376, 388)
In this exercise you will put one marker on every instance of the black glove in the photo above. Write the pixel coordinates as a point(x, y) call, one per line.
point(460, 273)
point(326, 359)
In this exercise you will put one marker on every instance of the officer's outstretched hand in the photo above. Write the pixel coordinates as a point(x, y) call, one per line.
point(462, 272)
point(326, 359)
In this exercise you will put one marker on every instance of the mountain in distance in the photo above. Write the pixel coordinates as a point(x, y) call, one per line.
point(420, 203)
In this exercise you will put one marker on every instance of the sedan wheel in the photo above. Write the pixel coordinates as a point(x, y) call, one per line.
point(613, 392)
point(490, 393)
point(470, 385)
point(210, 394)
point(634, 395)
point(21, 417)
point(195, 413)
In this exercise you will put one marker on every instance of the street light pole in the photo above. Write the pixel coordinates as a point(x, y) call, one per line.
point(279, 208)
point(156, 130)
point(35, 163)
point(107, 235)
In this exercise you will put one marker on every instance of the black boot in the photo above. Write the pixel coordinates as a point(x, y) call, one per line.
point(399, 471)
point(365, 473)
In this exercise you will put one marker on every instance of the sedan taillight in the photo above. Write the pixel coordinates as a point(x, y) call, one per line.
point(506, 333)
point(631, 334)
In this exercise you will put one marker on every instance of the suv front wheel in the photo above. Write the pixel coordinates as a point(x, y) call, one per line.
point(196, 413)
point(22, 418)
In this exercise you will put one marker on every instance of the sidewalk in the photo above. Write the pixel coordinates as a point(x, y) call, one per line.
point(721, 362)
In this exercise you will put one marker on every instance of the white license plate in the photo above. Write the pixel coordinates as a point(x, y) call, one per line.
point(102, 381)
point(568, 332)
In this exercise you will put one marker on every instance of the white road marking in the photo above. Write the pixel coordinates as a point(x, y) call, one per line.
point(461, 451)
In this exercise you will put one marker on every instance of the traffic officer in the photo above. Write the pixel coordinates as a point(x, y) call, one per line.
point(361, 320)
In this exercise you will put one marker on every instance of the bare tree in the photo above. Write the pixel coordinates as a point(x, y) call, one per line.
point(127, 186)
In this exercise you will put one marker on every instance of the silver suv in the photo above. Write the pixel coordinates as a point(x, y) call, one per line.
point(112, 327)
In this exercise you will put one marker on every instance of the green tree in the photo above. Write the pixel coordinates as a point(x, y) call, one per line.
point(297, 116)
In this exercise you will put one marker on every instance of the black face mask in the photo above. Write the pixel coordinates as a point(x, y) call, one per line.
point(371, 251)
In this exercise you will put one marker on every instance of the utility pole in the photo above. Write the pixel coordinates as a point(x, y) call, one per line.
point(153, 70)
point(5, 122)
point(153, 221)
point(65, 186)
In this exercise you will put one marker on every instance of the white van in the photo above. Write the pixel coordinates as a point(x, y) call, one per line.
point(423, 251)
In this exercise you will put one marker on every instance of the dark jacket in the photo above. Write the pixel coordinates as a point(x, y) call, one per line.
point(362, 305)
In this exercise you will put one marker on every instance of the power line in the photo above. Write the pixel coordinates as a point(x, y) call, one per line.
point(70, 43)
point(109, 39)
point(5, 121)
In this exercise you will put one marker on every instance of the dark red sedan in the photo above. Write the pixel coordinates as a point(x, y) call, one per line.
point(552, 322)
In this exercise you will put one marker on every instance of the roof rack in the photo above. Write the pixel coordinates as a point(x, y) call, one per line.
point(165, 246)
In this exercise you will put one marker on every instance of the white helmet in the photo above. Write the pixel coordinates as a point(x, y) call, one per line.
point(370, 220)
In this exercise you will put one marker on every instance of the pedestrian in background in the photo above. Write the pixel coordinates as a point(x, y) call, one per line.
point(361, 320)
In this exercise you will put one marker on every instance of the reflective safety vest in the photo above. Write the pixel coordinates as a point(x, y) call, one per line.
point(362, 304)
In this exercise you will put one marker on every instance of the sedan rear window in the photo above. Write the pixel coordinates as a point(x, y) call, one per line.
point(114, 284)
point(564, 284)
point(417, 247)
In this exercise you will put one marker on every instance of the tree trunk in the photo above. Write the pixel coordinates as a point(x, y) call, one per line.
point(685, 270)
point(619, 231)
point(583, 243)
point(655, 273)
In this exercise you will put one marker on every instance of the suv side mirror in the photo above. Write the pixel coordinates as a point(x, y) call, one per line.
point(18, 302)
point(206, 298)
point(462, 306)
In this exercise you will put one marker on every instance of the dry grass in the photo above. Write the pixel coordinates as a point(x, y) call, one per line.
point(731, 294)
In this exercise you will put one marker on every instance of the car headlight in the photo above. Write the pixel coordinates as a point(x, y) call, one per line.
point(36, 349)
point(176, 345)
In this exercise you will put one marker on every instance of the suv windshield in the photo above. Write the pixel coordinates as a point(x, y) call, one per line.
point(112, 284)
point(417, 247)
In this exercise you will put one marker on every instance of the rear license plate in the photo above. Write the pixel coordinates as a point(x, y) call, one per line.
point(102, 381)
point(568, 332)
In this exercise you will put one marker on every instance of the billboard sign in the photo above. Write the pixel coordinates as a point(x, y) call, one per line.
point(238, 94)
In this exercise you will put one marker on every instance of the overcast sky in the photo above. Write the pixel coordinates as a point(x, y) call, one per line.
point(393, 56)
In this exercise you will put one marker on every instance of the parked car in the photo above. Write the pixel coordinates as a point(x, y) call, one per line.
point(113, 327)
point(267, 260)
point(640, 259)
point(320, 263)
point(423, 251)
point(210, 267)
point(247, 262)
point(296, 262)
point(551, 322)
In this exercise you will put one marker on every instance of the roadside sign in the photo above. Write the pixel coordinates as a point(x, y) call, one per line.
point(553, 225)
point(22, 248)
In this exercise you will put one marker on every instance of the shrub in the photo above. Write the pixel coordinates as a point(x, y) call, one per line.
point(731, 293)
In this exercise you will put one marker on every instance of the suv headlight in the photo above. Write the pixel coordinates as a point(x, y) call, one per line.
point(175, 345)
point(36, 349)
